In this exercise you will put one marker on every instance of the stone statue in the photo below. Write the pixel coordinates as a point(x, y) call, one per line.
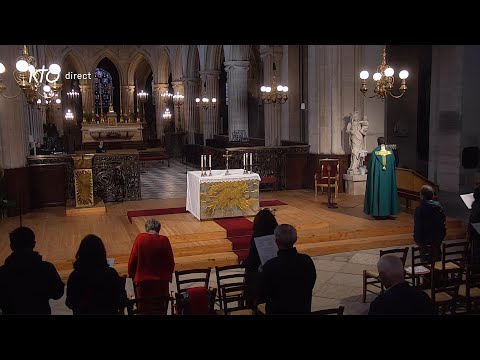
point(358, 130)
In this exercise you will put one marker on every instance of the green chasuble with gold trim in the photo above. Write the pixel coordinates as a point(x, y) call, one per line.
point(381, 198)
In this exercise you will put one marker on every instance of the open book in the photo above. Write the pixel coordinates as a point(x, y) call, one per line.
point(468, 199)
point(476, 226)
point(267, 248)
point(419, 270)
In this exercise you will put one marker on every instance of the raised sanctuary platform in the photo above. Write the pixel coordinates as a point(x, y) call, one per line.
point(198, 244)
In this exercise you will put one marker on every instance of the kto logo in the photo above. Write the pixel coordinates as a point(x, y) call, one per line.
point(52, 74)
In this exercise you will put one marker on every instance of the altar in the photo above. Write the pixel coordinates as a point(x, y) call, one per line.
point(220, 195)
point(111, 133)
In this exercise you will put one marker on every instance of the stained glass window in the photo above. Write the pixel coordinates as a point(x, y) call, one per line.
point(103, 81)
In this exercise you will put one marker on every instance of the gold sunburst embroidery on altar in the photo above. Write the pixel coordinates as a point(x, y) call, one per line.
point(233, 198)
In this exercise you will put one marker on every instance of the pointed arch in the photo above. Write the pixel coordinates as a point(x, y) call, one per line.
point(110, 55)
point(192, 62)
point(164, 67)
point(138, 62)
point(73, 58)
point(177, 70)
point(214, 57)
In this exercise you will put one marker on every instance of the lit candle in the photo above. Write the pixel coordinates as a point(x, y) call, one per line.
point(201, 162)
point(210, 161)
point(251, 155)
point(244, 155)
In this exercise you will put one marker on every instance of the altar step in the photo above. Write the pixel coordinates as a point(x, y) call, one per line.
point(355, 244)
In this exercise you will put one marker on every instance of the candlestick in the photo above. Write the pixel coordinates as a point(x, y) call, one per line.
point(251, 155)
point(210, 161)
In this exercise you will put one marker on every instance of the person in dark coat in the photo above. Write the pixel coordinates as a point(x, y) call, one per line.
point(101, 147)
point(27, 283)
point(289, 278)
point(399, 297)
point(263, 224)
point(472, 235)
point(94, 287)
point(429, 222)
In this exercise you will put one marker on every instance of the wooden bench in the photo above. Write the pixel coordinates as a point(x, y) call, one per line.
point(269, 181)
point(153, 156)
point(409, 183)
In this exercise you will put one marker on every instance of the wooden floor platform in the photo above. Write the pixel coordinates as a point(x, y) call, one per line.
point(201, 244)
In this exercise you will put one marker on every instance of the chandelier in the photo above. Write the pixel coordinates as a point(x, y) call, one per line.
point(167, 115)
point(40, 86)
point(73, 95)
point(178, 99)
point(205, 100)
point(384, 80)
point(69, 115)
point(166, 96)
point(274, 93)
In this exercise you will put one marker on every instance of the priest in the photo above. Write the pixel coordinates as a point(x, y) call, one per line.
point(381, 198)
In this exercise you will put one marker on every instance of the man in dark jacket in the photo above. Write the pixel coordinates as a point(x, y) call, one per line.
point(429, 222)
point(26, 282)
point(399, 298)
point(289, 278)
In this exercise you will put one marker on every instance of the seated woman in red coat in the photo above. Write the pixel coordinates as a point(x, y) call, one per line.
point(94, 287)
point(151, 262)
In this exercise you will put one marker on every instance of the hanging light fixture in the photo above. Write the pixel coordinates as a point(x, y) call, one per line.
point(205, 100)
point(40, 86)
point(274, 93)
point(383, 80)
point(69, 115)
point(167, 115)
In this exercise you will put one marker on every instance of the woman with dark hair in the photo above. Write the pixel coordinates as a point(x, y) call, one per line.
point(94, 287)
point(263, 224)
point(472, 235)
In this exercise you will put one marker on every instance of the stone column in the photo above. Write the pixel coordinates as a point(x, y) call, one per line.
point(87, 98)
point(191, 109)
point(160, 107)
point(14, 146)
point(273, 125)
point(178, 112)
point(130, 99)
point(237, 78)
point(211, 115)
point(124, 94)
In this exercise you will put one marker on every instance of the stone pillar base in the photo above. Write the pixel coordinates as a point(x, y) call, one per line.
point(355, 184)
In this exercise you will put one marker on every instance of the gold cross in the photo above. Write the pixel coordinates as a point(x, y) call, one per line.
point(383, 153)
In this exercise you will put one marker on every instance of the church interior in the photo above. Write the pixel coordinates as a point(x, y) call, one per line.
point(101, 139)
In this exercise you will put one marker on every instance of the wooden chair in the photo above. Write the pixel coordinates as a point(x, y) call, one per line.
point(422, 262)
point(454, 256)
point(234, 301)
point(372, 277)
point(444, 289)
point(230, 276)
point(469, 293)
point(333, 311)
point(153, 306)
point(186, 278)
point(321, 178)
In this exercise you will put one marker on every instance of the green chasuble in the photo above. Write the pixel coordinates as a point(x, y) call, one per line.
point(381, 198)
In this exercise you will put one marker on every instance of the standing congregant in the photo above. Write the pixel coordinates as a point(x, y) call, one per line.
point(381, 198)
point(151, 262)
point(27, 283)
point(289, 278)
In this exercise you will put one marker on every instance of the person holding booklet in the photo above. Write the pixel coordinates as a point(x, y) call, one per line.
point(288, 279)
point(264, 224)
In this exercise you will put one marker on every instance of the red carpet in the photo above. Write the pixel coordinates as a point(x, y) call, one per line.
point(239, 229)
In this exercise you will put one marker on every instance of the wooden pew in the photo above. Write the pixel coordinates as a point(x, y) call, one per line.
point(409, 183)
